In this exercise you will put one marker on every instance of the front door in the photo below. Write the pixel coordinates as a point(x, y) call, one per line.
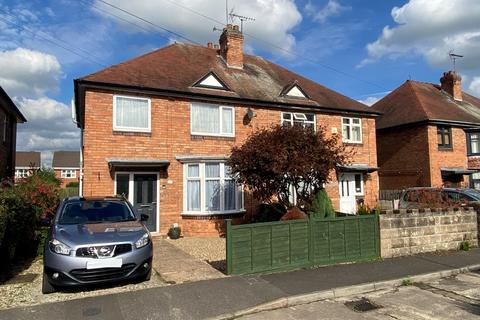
point(145, 198)
point(348, 203)
point(141, 190)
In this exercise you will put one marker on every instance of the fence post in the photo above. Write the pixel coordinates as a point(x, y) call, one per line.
point(228, 237)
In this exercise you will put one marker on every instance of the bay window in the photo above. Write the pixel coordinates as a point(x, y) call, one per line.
point(212, 120)
point(210, 188)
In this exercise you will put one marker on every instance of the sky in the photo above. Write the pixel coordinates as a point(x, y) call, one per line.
point(362, 49)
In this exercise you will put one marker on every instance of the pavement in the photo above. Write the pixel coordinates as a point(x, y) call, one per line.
point(180, 267)
point(455, 297)
point(227, 297)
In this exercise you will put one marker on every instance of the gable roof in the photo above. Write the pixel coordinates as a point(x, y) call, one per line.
point(66, 159)
point(415, 102)
point(173, 69)
point(28, 159)
point(7, 104)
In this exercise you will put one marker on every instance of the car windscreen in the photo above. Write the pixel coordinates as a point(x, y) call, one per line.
point(101, 211)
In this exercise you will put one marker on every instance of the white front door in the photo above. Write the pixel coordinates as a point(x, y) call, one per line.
point(348, 192)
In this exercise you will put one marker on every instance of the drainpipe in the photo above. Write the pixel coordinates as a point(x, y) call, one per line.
point(74, 119)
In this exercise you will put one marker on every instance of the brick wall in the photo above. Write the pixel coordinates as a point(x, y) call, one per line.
point(171, 137)
point(409, 157)
point(455, 157)
point(406, 233)
point(403, 158)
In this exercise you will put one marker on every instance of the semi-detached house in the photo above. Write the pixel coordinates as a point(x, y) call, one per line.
point(158, 128)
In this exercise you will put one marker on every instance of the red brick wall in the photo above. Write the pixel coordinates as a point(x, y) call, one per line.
point(403, 158)
point(456, 157)
point(409, 157)
point(171, 137)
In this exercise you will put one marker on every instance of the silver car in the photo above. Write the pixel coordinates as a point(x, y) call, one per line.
point(421, 197)
point(96, 240)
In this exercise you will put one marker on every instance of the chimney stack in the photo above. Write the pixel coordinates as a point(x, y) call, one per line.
point(231, 46)
point(210, 45)
point(451, 83)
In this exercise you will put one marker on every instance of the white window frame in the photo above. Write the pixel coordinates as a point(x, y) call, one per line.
point(299, 116)
point(132, 129)
point(22, 173)
point(65, 172)
point(220, 134)
point(350, 125)
point(239, 194)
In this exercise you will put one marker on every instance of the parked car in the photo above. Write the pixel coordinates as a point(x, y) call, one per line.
point(421, 197)
point(96, 240)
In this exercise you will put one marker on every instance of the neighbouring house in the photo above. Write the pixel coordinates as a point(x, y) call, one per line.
point(158, 129)
point(66, 165)
point(9, 117)
point(428, 135)
point(26, 162)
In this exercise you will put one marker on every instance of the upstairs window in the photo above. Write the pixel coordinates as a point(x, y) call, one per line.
point(473, 143)
point(212, 120)
point(444, 137)
point(306, 120)
point(131, 114)
point(352, 130)
point(68, 173)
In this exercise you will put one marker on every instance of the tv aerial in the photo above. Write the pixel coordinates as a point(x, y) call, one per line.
point(454, 57)
point(241, 18)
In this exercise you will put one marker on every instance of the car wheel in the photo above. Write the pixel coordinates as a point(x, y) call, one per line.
point(47, 287)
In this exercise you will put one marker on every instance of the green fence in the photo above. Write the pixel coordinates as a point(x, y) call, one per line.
point(283, 245)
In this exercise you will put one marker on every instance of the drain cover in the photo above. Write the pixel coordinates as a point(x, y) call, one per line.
point(362, 305)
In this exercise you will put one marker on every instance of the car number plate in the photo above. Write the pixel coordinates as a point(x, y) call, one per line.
point(104, 263)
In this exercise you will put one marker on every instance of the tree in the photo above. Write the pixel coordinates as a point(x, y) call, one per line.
point(276, 162)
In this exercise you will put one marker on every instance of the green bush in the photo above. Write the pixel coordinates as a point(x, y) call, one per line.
point(21, 207)
point(465, 245)
point(322, 206)
point(74, 184)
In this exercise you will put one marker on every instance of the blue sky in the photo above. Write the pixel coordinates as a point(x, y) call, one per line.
point(45, 44)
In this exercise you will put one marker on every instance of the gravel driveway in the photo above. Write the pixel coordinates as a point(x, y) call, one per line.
point(29, 293)
point(210, 249)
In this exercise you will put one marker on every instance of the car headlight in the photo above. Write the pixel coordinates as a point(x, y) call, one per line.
point(143, 241)
point(59, 247)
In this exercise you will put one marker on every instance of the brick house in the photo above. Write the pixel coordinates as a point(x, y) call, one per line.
point(25, 162)
point(425, 134)
point(158, 129)
point(66, 165)
point(9, 117)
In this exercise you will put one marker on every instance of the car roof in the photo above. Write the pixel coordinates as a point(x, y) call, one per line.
point(440, 189)
point(96, 198)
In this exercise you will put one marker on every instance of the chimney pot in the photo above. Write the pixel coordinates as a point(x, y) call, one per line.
point(216, 46)
point(210, 45)
point(451, 83)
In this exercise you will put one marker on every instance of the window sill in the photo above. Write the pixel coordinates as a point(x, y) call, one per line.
point(208, 137)
point(353, 143)
point(131, 133)
point(445, 149)
point(212, 215)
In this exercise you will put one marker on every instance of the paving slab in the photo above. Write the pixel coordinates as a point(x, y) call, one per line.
point(176, 266)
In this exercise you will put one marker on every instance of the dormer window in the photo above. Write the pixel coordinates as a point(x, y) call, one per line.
point(211, 81)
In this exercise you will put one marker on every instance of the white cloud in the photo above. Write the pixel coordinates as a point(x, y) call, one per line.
point(474, 86)
point(431, 29)
point(49, 126)
point(331, 9)
point(369, 100)
point(274, 19)
point(28, 73)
